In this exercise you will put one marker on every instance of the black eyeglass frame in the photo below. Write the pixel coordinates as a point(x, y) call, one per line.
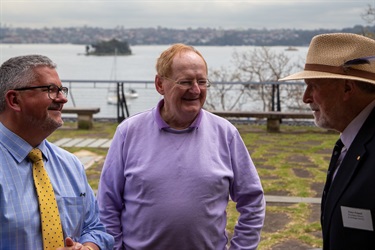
point(63, 90)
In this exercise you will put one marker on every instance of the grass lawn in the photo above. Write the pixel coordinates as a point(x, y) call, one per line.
point(290, 163)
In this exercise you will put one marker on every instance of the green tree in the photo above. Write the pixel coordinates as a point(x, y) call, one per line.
point(111, 47)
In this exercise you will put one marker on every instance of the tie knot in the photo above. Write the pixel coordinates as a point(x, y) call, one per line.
point(35, 155)
point(339, 145)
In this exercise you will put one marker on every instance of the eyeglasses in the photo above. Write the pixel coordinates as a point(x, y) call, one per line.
point(53, 90)
point(187, 84)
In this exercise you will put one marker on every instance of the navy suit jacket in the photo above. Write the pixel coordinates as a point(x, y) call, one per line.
point(353, 187)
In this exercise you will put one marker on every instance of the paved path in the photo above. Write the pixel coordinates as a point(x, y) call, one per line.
point(83, 142)
point(291, 199)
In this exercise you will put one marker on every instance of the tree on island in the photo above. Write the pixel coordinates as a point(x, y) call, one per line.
point(111, 47)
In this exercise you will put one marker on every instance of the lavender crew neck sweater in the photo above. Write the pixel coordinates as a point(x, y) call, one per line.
point(165, 189)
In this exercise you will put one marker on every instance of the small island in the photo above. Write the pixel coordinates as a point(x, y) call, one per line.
point(109, 48)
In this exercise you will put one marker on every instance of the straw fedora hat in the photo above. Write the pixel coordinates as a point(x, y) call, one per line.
point(339, 55)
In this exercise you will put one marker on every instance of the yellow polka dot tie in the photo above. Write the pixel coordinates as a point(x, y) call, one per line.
point(49, 212)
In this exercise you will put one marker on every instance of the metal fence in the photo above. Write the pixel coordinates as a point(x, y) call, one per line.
point(122, 98)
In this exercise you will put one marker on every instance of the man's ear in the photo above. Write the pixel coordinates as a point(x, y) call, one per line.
point(12, 100)
point(349, 89)
point(348, 85)
point(159, 84)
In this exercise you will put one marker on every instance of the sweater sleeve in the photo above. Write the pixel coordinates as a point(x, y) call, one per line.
point(247, 192)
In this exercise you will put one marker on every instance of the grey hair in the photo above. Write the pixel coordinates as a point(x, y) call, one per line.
point(17, 72)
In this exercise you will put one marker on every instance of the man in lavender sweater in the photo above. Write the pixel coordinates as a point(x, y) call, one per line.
point(170, 170)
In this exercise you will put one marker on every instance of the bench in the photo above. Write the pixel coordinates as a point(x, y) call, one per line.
point(273, 117)
point(84, 115)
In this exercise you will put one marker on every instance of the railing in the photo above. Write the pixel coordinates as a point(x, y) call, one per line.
point(122, 105)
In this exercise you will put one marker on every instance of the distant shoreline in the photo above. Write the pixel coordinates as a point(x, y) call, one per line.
point(166, 36)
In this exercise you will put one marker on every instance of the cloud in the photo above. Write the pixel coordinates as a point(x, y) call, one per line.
point(302, 14)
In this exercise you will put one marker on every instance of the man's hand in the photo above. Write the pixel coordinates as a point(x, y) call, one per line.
point(72, 245)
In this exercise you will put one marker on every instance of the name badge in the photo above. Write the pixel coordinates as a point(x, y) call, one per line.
point(357, 218)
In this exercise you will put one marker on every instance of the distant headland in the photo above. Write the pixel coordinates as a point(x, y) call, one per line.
point(164, 36)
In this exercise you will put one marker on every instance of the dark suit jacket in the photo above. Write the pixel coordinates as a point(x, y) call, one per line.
point(354, 187)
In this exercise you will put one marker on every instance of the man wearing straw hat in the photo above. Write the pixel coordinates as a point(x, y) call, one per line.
point(340, 89)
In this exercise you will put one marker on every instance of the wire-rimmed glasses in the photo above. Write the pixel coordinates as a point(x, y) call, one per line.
point(52, 89)
point(188, 83)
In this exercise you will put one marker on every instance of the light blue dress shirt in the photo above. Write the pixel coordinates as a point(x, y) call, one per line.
point(20, 226)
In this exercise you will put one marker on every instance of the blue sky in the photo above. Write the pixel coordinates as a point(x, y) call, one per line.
point(257, 14)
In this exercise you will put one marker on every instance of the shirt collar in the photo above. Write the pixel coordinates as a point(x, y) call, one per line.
point(162, 125)
point(355, 125)
point(17, 146)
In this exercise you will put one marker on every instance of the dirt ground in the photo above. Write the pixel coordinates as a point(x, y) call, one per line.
point(277, 221)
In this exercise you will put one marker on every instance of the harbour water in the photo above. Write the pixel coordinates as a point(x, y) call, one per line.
point(72, 65)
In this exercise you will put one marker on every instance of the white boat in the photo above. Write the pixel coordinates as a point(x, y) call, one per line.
point(290, 48)
point(129, 94)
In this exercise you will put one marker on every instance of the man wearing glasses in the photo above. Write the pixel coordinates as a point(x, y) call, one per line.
point(31, 100)
point(170, 170)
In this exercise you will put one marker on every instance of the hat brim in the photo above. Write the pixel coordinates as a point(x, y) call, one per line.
point(308, 74)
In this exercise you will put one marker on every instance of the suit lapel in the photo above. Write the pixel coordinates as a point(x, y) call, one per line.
point(349, 166)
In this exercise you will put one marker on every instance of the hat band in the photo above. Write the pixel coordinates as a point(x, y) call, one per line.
point(341, 70)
